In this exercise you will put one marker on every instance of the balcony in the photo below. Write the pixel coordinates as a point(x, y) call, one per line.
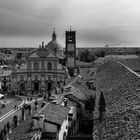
point(29, 71)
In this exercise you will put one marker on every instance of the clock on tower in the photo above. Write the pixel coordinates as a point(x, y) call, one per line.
point(70, 48)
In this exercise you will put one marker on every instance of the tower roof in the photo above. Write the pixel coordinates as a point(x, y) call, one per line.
point(53, 45)
point(54, 35)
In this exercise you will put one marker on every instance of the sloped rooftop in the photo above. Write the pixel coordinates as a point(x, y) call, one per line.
point(55, 113)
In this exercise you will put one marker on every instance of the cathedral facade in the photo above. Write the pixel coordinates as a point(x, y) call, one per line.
point(42, 70)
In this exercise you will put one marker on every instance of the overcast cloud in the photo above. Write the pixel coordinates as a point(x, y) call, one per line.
point(97, 22)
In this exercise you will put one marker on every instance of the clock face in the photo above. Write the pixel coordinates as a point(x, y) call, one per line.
point(71, 62)
point(70, 47)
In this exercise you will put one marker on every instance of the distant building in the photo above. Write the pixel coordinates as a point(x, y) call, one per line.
point(70, 51)
point(54, 122)
point(54, 46)
point(42, 70)
point(5, 80)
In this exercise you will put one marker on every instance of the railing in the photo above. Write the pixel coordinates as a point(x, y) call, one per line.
point(136, 70)
point(39, 71)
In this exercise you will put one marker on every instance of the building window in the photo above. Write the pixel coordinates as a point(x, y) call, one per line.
point(43, 64)
point(36, 66)
point(49, 66)
point(29, 64)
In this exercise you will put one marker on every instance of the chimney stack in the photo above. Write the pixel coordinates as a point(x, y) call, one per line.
point(41, 121)
point(35, 122)
point(42, 44)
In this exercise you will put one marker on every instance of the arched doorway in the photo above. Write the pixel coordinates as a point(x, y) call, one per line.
point(22, 87)
point(36, 86)
point(36, 66)
point(49, 85)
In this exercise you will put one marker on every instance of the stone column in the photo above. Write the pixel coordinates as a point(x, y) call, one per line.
point(8, 127)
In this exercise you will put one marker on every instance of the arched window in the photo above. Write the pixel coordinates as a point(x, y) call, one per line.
point(49, 66)
point(36, 66)
point(43, 64)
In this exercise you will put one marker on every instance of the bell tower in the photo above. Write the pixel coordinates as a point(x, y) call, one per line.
point(70, 40)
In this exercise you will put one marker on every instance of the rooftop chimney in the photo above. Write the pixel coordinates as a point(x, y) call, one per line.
point(41, 121)
point(42, 44)
point(35, 122)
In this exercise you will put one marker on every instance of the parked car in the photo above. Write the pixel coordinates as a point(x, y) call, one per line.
point(26, 106)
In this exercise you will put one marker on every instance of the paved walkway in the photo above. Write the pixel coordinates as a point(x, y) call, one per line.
point(17, 112)
point(10, 104)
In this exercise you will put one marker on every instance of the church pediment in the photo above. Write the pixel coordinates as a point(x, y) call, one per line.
point(41, 53)
point(33, 55)
point(51, 55)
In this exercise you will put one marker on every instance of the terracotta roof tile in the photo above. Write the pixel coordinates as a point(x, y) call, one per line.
point(55, 113)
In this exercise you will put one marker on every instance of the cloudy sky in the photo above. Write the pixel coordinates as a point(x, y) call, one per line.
point(26, 23)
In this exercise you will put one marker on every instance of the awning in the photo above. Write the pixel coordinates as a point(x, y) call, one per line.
point(1, 95)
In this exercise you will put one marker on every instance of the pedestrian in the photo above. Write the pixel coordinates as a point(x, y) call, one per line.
point(49, 94)
point(36, 103)
point(16, 107)
point(32, 92)
point(62, 90)
point(55, 90)
point(64, 83)
point(44, 97)
point(8, 127)
point(2, 135)
point(5, 130)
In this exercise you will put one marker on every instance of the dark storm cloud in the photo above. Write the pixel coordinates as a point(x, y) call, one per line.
point(26, 19)
point(19, 26)
point(101, 36)
point(96, 21)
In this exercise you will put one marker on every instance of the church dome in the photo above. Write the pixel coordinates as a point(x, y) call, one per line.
point(53, 45)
